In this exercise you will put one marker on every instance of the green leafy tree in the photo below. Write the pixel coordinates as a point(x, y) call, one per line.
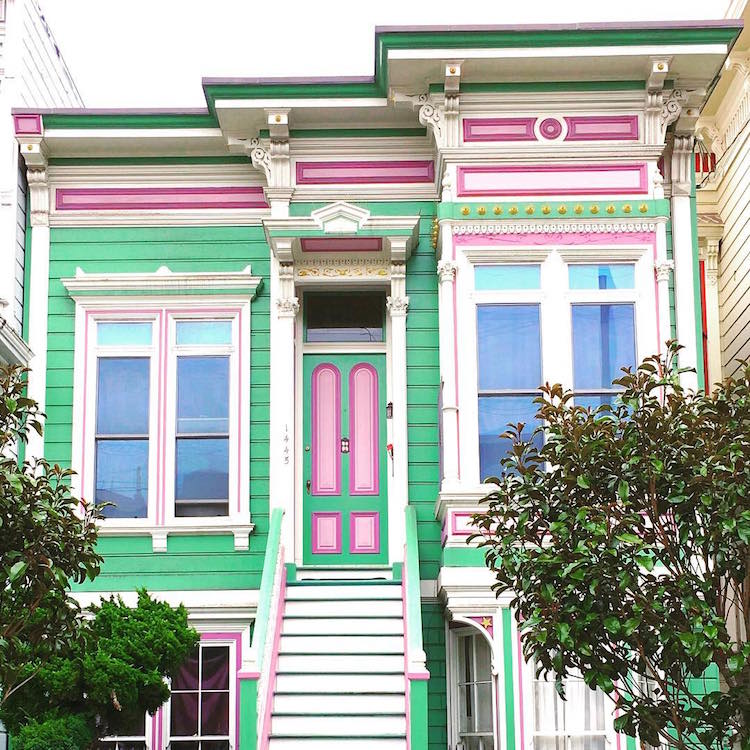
point(106, 683)
point(625, 540)
point(45, 542)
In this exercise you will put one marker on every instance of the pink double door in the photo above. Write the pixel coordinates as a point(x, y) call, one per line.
point(345, 464)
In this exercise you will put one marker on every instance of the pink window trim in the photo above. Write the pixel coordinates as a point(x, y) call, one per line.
point(373, 487)
point(455, 519)
point(341, 244)
point(366, 172)
point(334, 440)
point(154, 198)
point(602, 134)
point(556, 190)
point(237, 638)
point(161, 316)
point(525, 127)
point(336, 548)
point(354, 548)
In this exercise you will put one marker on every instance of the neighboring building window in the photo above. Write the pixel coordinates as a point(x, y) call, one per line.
point(509, 362)
point(131, 737)
point(472, 691)
point(121, 450)
point(200, 704)
point(576, 723)
point(202, 425)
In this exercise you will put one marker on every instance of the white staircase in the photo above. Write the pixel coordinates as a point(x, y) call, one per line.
point(340, 671)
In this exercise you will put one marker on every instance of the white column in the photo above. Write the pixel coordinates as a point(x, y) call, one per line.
point(682, 252)
point(398, 306)
point(37, 295)
point(663, 269)
point(713, 332)
point(447, 274)
point(284, 309)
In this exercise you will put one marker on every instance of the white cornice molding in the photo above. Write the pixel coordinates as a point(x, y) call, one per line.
point(163, 281)
point(13, 349)
point(154, 175)
point(542, 102)
point(542, 153)
point(555, 227)
point(177, 218)
point(395, 192)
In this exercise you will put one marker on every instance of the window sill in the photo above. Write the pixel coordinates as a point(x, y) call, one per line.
point(159, 534)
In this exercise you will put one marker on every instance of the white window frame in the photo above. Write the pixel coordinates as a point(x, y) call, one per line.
point(114, 740)
point(555, 299)
point(233, 696)
point(453, 642)
point(164, 312)
point(609, 734)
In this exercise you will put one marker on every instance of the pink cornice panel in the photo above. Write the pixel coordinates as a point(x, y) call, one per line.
point(341, 244)
point(590, 179)
point(149, 199)
point(602, 128)
point(364, 430)
point(326, 430)
point(364, 532)
point(499, 129)
point(326, 533)
point(363, 172)
point(557, 238)
point(27, 124)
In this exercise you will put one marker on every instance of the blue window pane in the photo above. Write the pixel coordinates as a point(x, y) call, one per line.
point(122, 396)
point(594, 401)
point(495, 413)
point(202, 395)
point(507, 277)
point(603, 343)
point(122, 477)
point(609, 276)
point(204, 332)
point(509, 355)
point(123, 334)
point(202, 474)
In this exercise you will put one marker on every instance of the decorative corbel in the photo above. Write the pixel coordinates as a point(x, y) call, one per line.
point(681, 172)
point(671, 109)
point(440, 119)
point(36, 179)
point(739, 63)
point(658, 73)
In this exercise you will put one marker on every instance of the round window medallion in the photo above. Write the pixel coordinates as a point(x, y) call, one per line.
point(550, 128)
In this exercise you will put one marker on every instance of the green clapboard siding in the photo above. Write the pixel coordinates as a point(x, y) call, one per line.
point(423, 386)
point(191, 562)
point(433, 629)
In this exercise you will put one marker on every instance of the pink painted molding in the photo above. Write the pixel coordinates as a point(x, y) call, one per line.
point(364, 430)
point(490, 129)
point(341, 244)
point(274, 666)
point(325, 457)
point(557, 238)
point(27, 124)
point(602, 128)
point(149, 199)
point(589, 179)
point(326, 538)
point(364, 532)
point(237, 638)
point(363, 172)
point(461, 523)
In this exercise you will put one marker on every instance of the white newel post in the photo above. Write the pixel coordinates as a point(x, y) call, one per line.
point(398, 306)
point(447, 274)
point(38, 294)
point(682, 251)
point(713, 333)
point(285, 307)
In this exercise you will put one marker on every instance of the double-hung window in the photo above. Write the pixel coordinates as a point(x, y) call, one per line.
point(201, 709)
point(122, 443)
point(603, 328)
point(509, 358)
point(130, 736)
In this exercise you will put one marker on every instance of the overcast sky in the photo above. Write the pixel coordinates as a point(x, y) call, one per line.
point(153, 53)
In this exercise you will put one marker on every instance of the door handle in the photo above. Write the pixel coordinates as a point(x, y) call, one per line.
point(308, 484)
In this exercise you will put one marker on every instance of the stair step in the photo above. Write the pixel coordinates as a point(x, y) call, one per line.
point(344, 608)
point(336, 664)
point(343, 626)
point(339, 726)
point(348, 592)
point(327, 684)
point(342, 644)
point(343, 703)
point(337, 743)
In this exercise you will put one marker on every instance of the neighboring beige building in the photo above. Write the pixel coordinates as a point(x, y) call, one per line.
point(724, 208)
point(32, 74)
